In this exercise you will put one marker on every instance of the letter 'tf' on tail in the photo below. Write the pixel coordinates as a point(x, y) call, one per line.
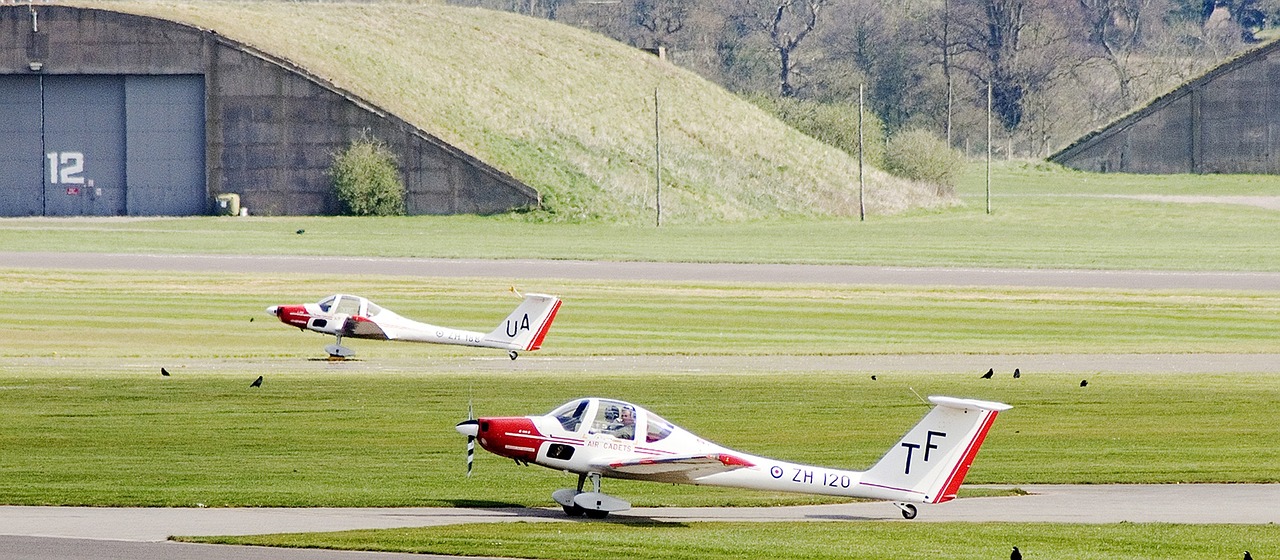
point(525, 327)
point(928, 464)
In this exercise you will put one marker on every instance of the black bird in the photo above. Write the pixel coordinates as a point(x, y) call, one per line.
point(1084, 382)
point(256, 382)
point(1015, 555)
point(1017, 373)
point(989, 373)
point(873, 378)
point(164, 372)
point(250, 319)
point(301, 231)
point(1247, 556)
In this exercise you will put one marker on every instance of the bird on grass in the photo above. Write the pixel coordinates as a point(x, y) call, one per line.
point(989, 373)
point(873, 378)
point(256, 382)
point(1084, 382)
point(301, 231)
point(1016, 554)
point(164, 372)
point(1017, 373)
point(1247, 556)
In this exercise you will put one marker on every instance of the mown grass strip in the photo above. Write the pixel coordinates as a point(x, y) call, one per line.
point(784, 541)
point(116, 434)
point(152, 315)
point(1040, 220)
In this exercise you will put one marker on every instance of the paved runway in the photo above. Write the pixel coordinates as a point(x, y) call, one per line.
point(66, 532)
point(689, 272)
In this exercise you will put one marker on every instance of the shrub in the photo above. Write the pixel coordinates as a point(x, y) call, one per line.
point(367, 179)
point(834, 124)
point(918, 154)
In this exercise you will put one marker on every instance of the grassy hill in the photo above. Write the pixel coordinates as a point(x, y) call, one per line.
point(568, 112)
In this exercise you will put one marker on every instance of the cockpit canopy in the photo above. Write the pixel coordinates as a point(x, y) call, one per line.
point(355, 306)
point(622, 420)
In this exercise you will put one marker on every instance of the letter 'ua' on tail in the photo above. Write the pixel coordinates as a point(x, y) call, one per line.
point(525, 327)
point(928, 464)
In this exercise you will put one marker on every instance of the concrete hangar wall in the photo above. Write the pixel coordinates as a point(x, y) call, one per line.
point(1227, 121)
point(104, 113)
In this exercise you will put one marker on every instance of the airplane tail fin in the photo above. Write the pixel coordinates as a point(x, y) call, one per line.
point(929, 463)
point(525, 327)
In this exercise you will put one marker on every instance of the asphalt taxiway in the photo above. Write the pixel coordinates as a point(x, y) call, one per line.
point(46, 533)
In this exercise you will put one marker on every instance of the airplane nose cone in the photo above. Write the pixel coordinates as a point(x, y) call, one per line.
point(468, 428)
point(274, 310)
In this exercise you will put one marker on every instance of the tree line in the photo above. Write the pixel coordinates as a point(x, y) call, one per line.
point(1056, 68)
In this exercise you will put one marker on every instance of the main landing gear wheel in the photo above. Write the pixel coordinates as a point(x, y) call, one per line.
point(908, 510)
point(574, 511)
point(596, 514)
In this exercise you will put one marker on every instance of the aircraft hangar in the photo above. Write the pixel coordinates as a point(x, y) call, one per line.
point(1226, 121)
point(110, 114)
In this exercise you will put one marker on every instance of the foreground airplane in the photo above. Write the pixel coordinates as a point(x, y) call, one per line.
point(597, 438)
point(356, 317)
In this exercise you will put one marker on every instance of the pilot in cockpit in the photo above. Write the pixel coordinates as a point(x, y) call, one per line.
point(625, 425)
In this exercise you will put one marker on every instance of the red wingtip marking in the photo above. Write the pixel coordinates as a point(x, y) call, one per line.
point(546, 326)
point(732, 461)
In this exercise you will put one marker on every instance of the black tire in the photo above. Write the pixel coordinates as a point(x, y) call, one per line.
point(574, 511)
point(908, 511)
point(596, 513)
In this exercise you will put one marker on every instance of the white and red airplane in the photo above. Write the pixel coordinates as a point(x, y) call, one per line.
point(356, 317)
point(605, 438)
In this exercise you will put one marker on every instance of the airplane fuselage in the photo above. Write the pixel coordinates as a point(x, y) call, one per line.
point(655, 450)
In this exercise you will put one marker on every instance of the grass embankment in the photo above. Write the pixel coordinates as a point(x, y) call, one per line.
point(1043, 217)
point(803, 541)
point(568, 112)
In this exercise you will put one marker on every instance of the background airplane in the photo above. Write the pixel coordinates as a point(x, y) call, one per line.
point(604, 438)
point(344, 315)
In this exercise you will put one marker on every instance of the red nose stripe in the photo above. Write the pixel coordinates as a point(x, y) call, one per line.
point(295, 315)
point(514, 437)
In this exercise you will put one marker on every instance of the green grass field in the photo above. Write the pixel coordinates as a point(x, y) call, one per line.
point(1043, 217)
point(185, 315)
point(803, 541)
point(90, 421)
point(317, 435)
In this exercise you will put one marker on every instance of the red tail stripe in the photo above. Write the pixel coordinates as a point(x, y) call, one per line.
point(542, 331)
point(962, 468)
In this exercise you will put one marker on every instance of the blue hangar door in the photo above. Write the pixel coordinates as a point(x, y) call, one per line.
point(108, 145)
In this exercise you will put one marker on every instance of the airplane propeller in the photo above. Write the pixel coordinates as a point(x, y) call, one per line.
point(470, 428)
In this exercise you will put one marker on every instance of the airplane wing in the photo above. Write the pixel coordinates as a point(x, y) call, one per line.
point(362, 327)
point(684, 468)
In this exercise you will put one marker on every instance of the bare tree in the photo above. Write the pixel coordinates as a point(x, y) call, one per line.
point(1010, 45)
point(786, 23)
point(659, 19)
point(1116, 28)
